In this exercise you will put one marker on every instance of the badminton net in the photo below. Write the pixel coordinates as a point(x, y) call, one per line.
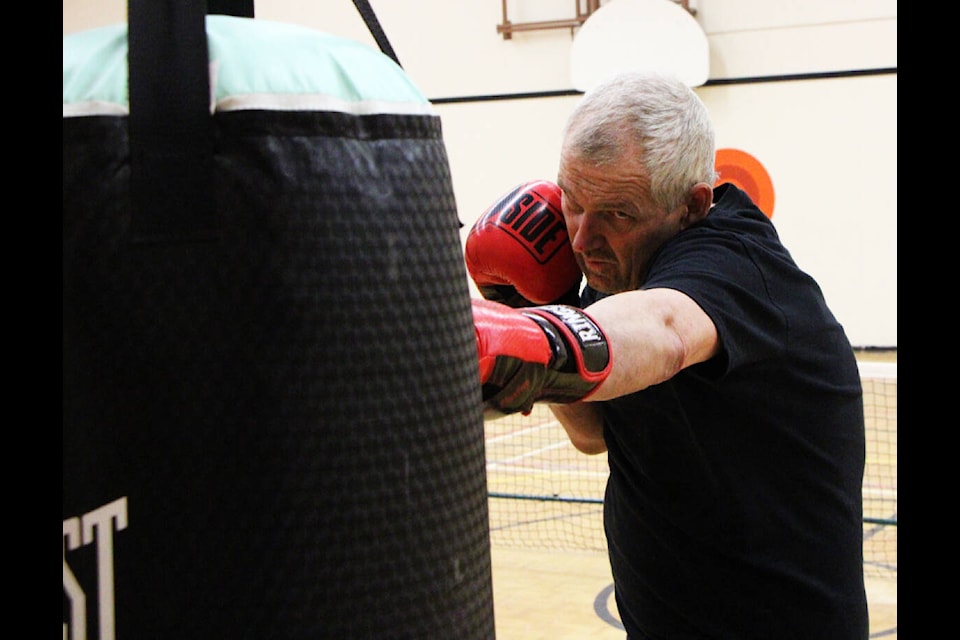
point(544, 494)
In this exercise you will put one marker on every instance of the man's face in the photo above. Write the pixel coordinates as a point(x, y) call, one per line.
point(614, 225)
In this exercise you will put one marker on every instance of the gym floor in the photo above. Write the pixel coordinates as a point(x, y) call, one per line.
point(568, 595)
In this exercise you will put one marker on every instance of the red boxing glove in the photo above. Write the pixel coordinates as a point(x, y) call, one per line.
point(518, 252)
point(553, 353)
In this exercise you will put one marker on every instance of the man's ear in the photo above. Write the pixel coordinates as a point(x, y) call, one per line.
point(699, 202)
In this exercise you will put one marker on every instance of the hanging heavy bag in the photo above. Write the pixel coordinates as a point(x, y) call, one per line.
point(271, 423)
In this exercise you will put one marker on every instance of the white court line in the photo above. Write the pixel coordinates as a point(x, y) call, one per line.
point(509, 466)
point(878, 370)
point(512, 434)
point(540, 471)
point(535, 452)
point(882, 493)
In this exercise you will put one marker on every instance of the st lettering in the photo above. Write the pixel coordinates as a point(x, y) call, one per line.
point(94, 528)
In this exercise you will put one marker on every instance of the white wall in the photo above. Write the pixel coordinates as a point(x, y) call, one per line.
point(829, 145)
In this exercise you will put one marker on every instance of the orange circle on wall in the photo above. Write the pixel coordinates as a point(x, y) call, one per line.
point(746, 172)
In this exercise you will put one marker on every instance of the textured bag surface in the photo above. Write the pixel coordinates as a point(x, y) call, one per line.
point(273, 432)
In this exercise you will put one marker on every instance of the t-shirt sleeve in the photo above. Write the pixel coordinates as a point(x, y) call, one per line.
point(729, 281)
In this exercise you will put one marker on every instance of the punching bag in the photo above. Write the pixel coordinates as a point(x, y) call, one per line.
point(271, 408)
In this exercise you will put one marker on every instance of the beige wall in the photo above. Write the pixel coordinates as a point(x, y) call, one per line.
point(829, 145)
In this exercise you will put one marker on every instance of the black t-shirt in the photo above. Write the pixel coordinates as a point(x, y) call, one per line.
point(733, 507)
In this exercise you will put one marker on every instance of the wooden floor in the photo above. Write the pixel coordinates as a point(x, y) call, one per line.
point(568, 595)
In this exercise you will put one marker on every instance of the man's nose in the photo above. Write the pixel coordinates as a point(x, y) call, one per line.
point(585, 236)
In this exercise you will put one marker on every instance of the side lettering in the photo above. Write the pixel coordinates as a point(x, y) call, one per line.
point(533, 221)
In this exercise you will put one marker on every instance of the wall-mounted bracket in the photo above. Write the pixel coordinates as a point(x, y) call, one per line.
point(507, 28)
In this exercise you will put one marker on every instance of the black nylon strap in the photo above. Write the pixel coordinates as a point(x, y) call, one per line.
point(238, 8)
point(170, 128)
point(363, 6)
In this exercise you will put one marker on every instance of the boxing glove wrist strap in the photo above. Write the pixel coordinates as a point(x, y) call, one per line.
point(552, 353)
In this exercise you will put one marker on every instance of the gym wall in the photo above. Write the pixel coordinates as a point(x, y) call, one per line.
point(808, 89)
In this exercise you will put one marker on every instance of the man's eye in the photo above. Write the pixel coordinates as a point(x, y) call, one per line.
point(620, 215)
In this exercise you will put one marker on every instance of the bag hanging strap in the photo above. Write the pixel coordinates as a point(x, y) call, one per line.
point(244, 9)
point(238, 8)
point(170, 127)
point(369, 17)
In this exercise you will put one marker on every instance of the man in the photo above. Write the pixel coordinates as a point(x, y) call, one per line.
point(706, 364)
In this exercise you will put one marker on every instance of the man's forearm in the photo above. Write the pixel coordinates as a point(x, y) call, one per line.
point(583, 422)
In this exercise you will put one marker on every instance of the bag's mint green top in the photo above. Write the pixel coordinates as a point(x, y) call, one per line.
point(254, 64)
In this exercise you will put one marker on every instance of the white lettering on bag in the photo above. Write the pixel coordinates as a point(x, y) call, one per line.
point(97, 526)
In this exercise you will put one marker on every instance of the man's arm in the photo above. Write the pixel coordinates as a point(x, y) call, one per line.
point(583, 422)
point(653, 334)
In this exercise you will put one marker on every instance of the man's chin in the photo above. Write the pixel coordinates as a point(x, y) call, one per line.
point(601, 276)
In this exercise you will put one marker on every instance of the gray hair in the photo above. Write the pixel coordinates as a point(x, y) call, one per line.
point(662, 117)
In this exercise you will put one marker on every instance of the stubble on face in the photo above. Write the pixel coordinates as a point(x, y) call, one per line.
point(617, 195)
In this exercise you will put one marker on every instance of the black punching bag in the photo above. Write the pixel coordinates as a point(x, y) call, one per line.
point(271, 408)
